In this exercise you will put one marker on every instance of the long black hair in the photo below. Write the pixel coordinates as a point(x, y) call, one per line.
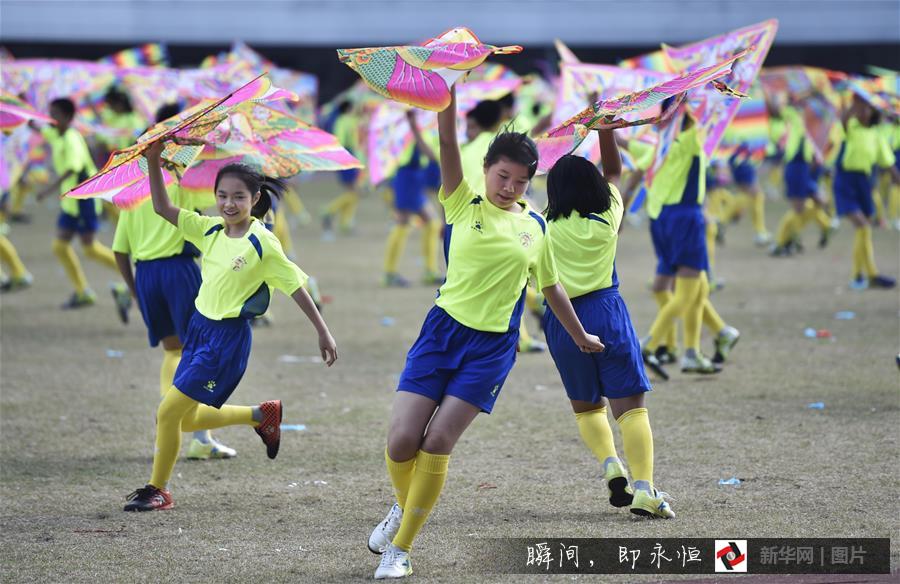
point(515, 146)
point(575, 184)
point(267, 186)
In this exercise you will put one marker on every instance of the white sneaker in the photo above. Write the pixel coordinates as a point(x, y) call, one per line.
point(762, 239)
point(394, 564)
point(384, 532)
point(699, 364)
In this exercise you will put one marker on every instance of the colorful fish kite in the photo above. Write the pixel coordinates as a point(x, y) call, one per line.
point(652, 61)
point(565, 53)
point(608, 113)
point(749, 130)
point(148, 55)
point(714, 108)
point(123, 180)
point(40, 81)
point(14, 112)
point(421, 76)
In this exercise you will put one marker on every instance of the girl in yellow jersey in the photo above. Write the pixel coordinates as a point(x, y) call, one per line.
point(467, 345)
point(241, 260)
point(584, 212)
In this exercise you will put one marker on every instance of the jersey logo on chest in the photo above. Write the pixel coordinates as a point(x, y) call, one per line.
point(238, 263)
point(526, 239)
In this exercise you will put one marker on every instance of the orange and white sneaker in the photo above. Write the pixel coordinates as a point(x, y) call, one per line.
point(269, 428)
point(149, 498)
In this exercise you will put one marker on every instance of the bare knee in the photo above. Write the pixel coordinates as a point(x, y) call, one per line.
point(439, 442)
point(403, 443)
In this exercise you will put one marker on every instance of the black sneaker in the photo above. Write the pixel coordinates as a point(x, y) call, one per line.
point(652, 363)
point(665, 356)
point(77, 300)
point(122, 298)
point(825, 237)
point(882, 282)
point(149, 498)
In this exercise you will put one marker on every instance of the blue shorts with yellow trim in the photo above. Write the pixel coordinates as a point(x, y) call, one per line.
point(852, 193)
point(214, 359)
point(450, 358)
point(85, 222)
point(679, 239)
point(616, 372)
point(166, 291)
point(409, 189)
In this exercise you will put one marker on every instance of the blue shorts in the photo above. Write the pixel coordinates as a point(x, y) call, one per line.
point(348, 177)
point(449, 358)
point(799, 179)
point(852, 193)
point(679, 239)
point(744, 174)
point(409, 189)
point(214, 359)
point(166, 290)
point(85, 222)
point(615, 373)
point(433, 176)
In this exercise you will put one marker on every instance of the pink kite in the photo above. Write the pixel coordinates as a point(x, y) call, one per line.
point(14, 112)
point(123, 179)
point(421, 76)
point(607, 113)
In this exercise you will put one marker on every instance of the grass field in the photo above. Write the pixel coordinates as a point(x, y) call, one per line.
point(78, 426)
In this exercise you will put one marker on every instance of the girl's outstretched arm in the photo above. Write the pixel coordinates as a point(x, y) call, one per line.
point(451, 162)
point(327, 346)
point(609, 156)
point(161, 202)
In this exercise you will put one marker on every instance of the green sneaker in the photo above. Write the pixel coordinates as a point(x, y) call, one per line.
point(725, 342)
point(209, 450)
point(620, 494)
point(698, 363)
point(655, 505)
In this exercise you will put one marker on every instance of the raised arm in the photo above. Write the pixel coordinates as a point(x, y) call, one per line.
point(451, 162)
point(161, 202)
point(423, 146)
point(609, 156)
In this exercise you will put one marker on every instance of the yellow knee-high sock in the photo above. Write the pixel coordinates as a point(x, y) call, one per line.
point(206, 417)
point(711, 317)
point(424, 489)
point(348, 210)
point(637, 442)
point(686, 292)
point(431, 231)
point(401, 474)
point(395, 243)
point(868, 254)
point(525, 337)
point(282, 231)
point(712, 229)
point(172, 409)
point(18, 192)
point(293, 201)
point(894, 203)
point(758, 213)
point(597, 434)
point(101, 254)
point(737, 204)
point(662, 298)
point(10, 258)
point(167, 371)
point(858, 257)
point(879, 205)
point(693, 314)
point(66, 256)
point(791, 223)
point(813, 212)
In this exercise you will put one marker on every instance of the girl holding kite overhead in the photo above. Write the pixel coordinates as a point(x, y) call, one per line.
point(584, 212)
point(241, 259)
point(467, 345)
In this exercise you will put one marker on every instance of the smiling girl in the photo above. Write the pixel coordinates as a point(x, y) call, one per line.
point(241, 259)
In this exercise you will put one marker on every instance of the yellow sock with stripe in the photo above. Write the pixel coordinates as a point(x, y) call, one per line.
point(10, 257)
point(178, 413)
point(401, 474)
point(70, 263)
point(396, 242)
point(711, 318)
point(597, 435)
point(693, 314)
point(868, 253)
point(758, 213)
point(637, 442)
point(431, 231)
point(167, 370)
point(101, 254)
point(662, 298)
point(424, 490)
point(686, 292)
